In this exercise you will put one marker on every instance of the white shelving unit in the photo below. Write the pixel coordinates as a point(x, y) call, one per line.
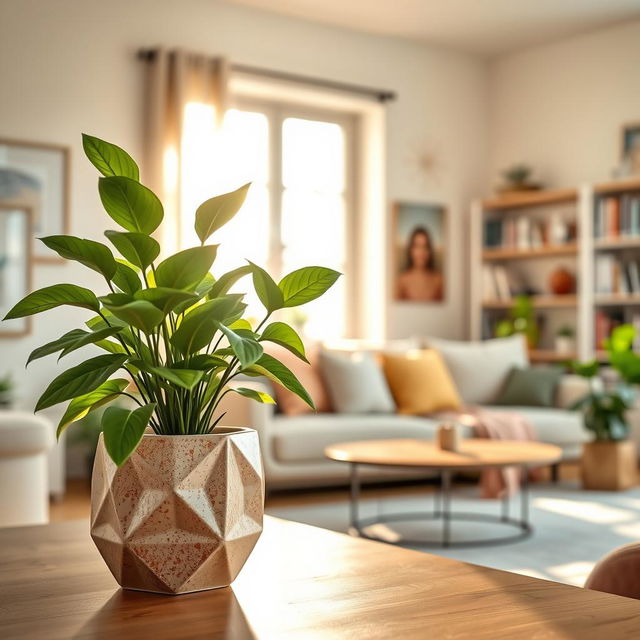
point(534, 265)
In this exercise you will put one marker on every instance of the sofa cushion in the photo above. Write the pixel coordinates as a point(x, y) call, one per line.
point(356, 383)
point(553, 426)
point(480, 369)
point(530, 387)
point(420, 382)
point(304, 437)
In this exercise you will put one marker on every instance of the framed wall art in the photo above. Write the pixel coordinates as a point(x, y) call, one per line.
point(419, 235)
point(15, 265)
point(36, 176)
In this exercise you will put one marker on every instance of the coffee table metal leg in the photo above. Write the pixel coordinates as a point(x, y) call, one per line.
point(524, 497)
point(505, 507)
point(445, 486)
point(355, 496)
point(437, 498)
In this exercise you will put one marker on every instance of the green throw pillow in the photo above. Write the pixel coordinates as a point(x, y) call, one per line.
point(534, 387)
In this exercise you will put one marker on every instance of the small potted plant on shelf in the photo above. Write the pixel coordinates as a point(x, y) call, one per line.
point(609, 462)
point(521, 320)
point(176, 499)
point(565, 339)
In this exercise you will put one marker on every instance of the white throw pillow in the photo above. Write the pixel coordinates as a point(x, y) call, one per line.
point(480, 369)
point(356, 383)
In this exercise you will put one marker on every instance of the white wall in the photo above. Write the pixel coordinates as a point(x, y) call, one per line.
point(560, 107)
point(68, 66)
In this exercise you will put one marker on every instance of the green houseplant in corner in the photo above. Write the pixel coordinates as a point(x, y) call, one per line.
point(177, 500)
point(609, 461)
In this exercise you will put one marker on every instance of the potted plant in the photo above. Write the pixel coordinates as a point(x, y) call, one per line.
point(521, 320)
point(176, 500)
point(565, 339)
point(609, 462)
point(6, 392)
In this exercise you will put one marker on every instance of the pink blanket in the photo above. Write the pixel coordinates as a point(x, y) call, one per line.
point(496, 425)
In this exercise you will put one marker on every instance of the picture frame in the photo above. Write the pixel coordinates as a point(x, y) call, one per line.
point(629, 138)
point(16, 239)
point(37, 176)
point(419, 236)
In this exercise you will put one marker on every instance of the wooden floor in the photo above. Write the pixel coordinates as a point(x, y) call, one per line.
point(76, 503)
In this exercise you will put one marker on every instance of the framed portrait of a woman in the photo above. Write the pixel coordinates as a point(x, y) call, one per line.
point(419, 252)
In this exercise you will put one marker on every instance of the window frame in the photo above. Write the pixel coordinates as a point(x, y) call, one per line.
point(276, 112)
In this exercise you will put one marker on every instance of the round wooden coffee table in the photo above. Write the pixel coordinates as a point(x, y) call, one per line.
point(474, 454)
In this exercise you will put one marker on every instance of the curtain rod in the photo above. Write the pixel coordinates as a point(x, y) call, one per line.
point(382, 95)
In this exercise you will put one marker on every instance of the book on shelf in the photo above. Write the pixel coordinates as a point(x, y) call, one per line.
point(607, 321)
point(616, 216)
point(615, 275)
point(497, 284)
point(525, 233)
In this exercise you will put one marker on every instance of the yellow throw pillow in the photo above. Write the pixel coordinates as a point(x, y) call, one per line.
point(420, 382)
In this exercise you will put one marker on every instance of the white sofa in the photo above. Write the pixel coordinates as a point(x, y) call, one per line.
point(293, 447)
point(25, 440)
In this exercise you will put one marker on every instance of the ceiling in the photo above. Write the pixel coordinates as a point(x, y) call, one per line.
point(483, 27)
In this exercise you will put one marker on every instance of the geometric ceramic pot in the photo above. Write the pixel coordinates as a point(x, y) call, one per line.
point(183, 513)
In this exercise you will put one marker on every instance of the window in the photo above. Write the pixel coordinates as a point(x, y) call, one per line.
point(299, 210)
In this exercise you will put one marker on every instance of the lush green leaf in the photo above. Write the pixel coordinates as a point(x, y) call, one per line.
point(215, 212)
point(185, 378)
point(166, 299)
point(54, 296)
point(286, 337)
point(247, 350)
point(254, 394)
point(306, 284)
point(200, 325)
point(79, 407)
point(109, 159)
point(186, 269)
point(621, 338)
point(241, 324)
point(130, 204)
point(138, 313)
point(126, 279)
point(80, 379)
point(138, 248)
point(627, 364)
point(123, 429)
point(267, 289)
point(87, 252)
point(111, 346)
point(71, 341)
point(274, 370)
point(201, 362)
point(586, 369)
point(226, 281)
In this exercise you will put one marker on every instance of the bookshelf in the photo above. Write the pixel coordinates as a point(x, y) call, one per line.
point(615, 218)
point(518, 240)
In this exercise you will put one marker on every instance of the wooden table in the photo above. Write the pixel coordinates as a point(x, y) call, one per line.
point(473, 454)
point(301, 582)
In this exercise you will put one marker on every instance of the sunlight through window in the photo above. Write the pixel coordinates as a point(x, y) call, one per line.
point(309, 223)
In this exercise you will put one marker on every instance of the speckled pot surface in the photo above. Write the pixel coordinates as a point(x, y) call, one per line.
point(182, 514)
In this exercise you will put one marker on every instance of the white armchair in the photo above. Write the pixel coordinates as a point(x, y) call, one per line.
point(25, 440)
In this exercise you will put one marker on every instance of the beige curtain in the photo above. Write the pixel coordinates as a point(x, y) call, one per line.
point(173, 79)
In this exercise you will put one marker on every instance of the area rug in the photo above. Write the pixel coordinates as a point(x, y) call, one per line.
point(573, 528)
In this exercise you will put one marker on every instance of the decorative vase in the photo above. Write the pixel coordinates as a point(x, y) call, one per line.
point(609, 465)
point(562, 282)
point(183, 513)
